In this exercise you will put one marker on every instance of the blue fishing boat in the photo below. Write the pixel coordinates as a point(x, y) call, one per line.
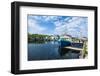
point(64, 43)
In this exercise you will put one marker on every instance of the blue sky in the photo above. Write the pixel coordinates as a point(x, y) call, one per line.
point(58, 25)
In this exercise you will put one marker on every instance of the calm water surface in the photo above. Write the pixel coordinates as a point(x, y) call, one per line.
point(49, 51)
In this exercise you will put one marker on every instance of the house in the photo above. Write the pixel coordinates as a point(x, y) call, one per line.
point(66, 37)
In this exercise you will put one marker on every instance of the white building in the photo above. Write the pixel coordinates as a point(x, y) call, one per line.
point(66, 37)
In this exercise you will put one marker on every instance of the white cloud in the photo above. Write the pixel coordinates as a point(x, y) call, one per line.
point(49, 18)
point(58, 23)
point(34, 27)
point(45, 18)
point(74, 26)
point(69, 25)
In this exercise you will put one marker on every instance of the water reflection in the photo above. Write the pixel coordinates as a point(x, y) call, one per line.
point(48, 51)
point(69, 54)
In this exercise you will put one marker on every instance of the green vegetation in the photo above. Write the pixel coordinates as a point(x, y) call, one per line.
point(38, 38)
point(85, 49)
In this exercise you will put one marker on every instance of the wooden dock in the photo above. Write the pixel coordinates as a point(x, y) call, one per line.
point(73, 48)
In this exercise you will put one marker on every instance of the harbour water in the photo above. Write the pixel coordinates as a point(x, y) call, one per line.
point(50, 50)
